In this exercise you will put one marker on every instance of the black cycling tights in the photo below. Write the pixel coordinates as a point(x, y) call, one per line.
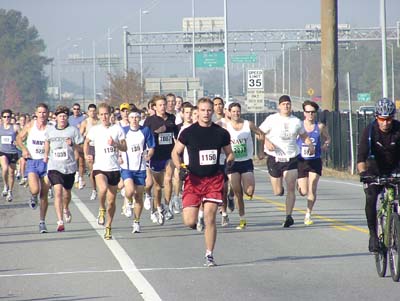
point(371, 196)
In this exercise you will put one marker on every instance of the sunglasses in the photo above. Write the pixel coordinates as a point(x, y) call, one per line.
point(388, 119)
point(76, 109)
point(6, 116)
point(310, 112)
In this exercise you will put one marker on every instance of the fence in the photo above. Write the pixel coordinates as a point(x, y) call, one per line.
point(339, 154)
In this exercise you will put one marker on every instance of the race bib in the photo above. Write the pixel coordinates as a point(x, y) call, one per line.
point(305, 152)
point(109, 150)
point(240, 150)
point(6, 139)
point(164, 138)
point(135, 148)
point(60, 154)
point(208, 157)
point(281, 159)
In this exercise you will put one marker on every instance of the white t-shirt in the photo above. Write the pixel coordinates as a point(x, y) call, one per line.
point(106, 158)
point(282, 131)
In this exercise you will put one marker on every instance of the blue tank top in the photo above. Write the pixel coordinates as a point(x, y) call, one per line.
point(7, 139)
point(315, 137)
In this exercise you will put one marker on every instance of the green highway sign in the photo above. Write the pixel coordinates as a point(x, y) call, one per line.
point(364, 97)
point(210, 59)
point(243, 59)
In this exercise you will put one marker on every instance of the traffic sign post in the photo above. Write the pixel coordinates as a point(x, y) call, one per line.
point(255, 90)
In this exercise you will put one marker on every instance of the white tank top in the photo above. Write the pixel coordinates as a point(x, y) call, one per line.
point(35, 142)
point(241, 141)
point(89, 125)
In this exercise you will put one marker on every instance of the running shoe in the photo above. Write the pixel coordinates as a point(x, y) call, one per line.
point(60, 226)
point(9, 196)
point(231, 202)
point(67, 216)
point(5, 191)
point(200, 224)
point(107, 233)
point(307, 220)
point(209, 261)
point(23, 181)
point(76, 180)
point(147, 201)
point(225, 221)
point(288, 221)
point(18, 176)
point(50, 193)
point(136, 227)
point(81, 183)
point(127, 210)
point(123, 192)
point(93, 196)
point(161, 216)
point(154, 217)
point(33, 202)
point(242, 224)
point(168, 214)
point(101, 218)
point(42, 228)
point(176, 204)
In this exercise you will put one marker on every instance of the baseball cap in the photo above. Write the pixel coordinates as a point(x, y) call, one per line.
point(284, 98)
point(124, 106)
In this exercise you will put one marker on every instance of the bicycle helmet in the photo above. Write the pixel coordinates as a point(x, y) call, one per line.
point(385, 108)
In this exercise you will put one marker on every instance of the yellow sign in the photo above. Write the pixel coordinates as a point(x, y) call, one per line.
point(398, 104)
point(310, 91)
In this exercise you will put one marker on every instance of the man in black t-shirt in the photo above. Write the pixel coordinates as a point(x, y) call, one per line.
point(164, 129)
point(204, 181)
point(378, 154)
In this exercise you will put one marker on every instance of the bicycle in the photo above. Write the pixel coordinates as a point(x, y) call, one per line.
point(388, 224)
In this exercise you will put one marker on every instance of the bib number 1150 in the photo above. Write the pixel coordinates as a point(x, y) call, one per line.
point(208, 157)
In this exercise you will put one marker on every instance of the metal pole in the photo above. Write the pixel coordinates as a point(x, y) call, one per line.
point(244, 80)
point(350, 124)
point(391, 48)
point(59, 74)
point(109, 63)
point(226, 52)
point(125, 45)
point(289, 72)
point(274, 74)
point(283, 68)
point(140, 47)
point(193, 48)
point(383, 38)
point(94, 73)
point(301, 74)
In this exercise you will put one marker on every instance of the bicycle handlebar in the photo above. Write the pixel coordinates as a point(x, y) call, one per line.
point(381, 180)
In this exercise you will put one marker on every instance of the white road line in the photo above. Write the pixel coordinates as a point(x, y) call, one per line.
point(128, 266)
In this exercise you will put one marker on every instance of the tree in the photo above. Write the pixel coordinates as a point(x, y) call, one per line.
point(125, 88)
point(21, 62)
point(12, 97)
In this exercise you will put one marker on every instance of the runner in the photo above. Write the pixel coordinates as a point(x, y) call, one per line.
point(76, 119)
point(8, 153)
point(241, 173)
point(164, 130)
point(86, 125)
point(107, 139)
point(281, 131)
point(36, 168)
point(204, 181)
point(140, 148)
point(310, 165)
point(59, 154)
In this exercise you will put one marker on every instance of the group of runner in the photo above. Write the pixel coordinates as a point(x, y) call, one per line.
point(177, 157)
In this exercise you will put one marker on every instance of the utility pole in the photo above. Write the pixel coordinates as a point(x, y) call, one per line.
point(329, 55)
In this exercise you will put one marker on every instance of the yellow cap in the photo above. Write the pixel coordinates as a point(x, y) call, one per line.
point(124, 105)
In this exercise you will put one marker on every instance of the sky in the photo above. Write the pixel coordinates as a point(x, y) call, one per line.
point(72, 25)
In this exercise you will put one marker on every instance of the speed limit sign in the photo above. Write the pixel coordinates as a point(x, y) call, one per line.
point(255, 79)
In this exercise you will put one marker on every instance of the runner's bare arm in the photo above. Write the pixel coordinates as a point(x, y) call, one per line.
point(178, 149)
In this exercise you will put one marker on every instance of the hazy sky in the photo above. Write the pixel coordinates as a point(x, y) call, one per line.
point(64, 23)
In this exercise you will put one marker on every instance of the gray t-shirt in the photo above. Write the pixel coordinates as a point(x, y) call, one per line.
point(61, 155)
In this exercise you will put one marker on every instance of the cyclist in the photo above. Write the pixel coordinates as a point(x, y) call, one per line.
point(378, 154)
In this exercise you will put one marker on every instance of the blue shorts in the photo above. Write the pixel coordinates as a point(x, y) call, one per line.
point(158, 166)
point(138, 177)
point(36, 166)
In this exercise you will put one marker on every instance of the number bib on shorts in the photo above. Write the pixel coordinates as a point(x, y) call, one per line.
point(281, 159)
point(208, 157)
point(6, 139)
point(164, 138)
point(60, 154)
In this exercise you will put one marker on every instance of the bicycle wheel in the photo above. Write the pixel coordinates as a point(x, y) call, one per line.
point(381, 255)
point(394, 247)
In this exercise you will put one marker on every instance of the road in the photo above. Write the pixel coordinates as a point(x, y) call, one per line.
point(328, 260)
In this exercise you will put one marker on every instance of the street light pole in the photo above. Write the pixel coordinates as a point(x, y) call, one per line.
point(125, 45)
point(283, 68)
point(383, 34)
point(109, 63)
point(226, 52)
point(193, 48)
point(94, 72)
point(141, 12)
